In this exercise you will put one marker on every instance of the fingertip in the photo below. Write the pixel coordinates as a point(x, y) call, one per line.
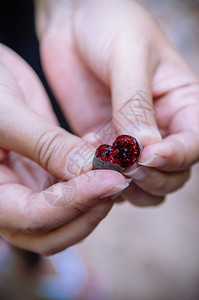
point(156, 161)
point(150, 156)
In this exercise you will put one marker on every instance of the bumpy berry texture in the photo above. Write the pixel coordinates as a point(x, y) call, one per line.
point(122, 154)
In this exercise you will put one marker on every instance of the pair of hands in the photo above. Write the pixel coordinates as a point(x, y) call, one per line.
point(95, 55)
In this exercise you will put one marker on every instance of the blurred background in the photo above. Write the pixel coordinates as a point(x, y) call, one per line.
point(153, 253)
point(137, 253)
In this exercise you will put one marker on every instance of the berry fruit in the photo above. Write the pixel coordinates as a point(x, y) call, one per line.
point(122, 154)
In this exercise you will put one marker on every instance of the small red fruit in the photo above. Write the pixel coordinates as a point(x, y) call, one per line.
point(122, 154)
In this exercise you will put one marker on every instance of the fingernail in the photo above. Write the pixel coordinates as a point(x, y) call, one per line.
point(128, 180)
point(142, 130)
point(113, 197)
point(78, 160)
point(115, 190)
point(141, 148)
point(139, 173)
point(130, 173)
point(154, 161)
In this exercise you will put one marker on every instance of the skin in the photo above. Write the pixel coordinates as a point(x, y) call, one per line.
point(106, 73)
point(101, 54)
point(29, 218)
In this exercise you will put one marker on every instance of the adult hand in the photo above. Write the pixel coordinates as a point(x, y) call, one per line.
point(111, 59)
point(44, 221)
point(23, 130)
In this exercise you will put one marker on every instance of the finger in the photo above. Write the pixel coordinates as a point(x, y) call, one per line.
point(132, 69)
point(25, 132)
point(57, 205)
point(139, 197)
point(157, 182)
point(97, 107)
point(53, 148)
point(63, 237)
point(176, 152)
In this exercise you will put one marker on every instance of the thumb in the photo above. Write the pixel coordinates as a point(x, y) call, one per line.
point(53, 148)
point(133, 110)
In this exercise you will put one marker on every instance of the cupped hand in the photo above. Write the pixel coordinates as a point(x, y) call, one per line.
point(33, 217)
point(109, 60)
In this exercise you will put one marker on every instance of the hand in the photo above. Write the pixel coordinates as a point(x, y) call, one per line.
point(43, 221)
point(102, 56)
point(24, 131)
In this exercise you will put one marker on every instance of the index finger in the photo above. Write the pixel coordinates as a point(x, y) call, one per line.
point(131, 87)
point(28, 212)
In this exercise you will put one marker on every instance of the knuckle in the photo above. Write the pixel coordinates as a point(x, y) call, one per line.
point(182, 157)
point(35, 222)
point(166, 184)
point(185, 176)
point(80, 208)
point(50, 142)
point(175, 153)
point(98, 215)
point(175, 150)
point(35, 228)
point(94, 220)
point(155, 184)
point(158, 186)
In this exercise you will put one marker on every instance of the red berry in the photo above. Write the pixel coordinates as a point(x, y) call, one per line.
point(122, 154)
